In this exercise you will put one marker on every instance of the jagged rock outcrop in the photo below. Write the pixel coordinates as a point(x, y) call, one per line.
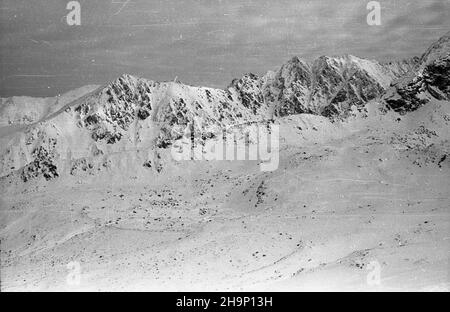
point(431, 79)
point(109, 114)
point(250, 92)
point(330, 85)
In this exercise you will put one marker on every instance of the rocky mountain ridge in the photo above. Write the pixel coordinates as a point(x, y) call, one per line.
point(430, 79)
point(137, 115)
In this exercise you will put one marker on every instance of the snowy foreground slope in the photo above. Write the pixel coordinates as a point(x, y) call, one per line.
point(362, 184)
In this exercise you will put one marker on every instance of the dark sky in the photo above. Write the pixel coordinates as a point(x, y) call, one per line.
point(203, 42)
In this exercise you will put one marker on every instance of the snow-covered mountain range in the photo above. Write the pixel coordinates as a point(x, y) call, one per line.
point(83, 130)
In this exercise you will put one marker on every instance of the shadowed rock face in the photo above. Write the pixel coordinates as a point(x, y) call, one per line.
point(436, 68)
point(405, 96)
point(431, 79)
point(437, 78)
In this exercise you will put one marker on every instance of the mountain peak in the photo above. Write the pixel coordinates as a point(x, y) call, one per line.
point(293, 60)
point(430, 80)
point(439, 49)
point(125, 79)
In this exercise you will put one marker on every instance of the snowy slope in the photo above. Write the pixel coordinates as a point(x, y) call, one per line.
point(18, 110)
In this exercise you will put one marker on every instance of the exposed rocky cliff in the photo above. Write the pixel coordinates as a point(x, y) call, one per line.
point(431, 79)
